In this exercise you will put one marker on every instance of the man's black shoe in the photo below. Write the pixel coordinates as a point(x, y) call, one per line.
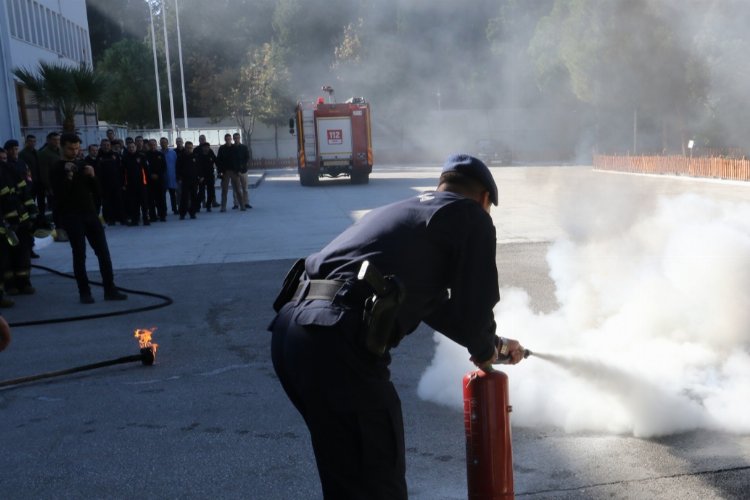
point(87, 299)
point(248, 206)
point(234, 207)
point(114, 295)
point(34, 255)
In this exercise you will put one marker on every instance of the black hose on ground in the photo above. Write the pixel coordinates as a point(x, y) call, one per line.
point(166, 301)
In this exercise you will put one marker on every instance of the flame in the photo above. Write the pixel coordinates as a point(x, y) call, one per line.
point(144, 337)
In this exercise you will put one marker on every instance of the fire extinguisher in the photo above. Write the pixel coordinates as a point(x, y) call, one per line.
point(489, 455)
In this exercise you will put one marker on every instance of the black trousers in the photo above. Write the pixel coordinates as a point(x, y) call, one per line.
point(113, 207)
point(137, 202)
point(208, 190)
point(157, 199)
point(173, 199)
point(83, 227)
point(189, 201)
point(346, 398)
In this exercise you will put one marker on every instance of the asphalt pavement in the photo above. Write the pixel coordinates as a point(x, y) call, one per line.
point(209, 419)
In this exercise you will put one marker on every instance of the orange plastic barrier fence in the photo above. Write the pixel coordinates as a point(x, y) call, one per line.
point(737, 169)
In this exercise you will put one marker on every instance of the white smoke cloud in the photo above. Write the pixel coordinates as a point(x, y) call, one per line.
point(652, 330)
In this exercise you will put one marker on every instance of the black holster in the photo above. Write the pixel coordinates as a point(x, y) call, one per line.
point(380, 312)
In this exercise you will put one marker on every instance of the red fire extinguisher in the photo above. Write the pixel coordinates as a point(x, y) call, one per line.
point(489, 455)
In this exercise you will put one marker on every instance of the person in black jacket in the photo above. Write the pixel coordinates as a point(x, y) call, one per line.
point(440, 246)
point(135, 169)
point(157, 181)
point(111, 178)
point(228, 172)
point(206, 161)
point(19, 215)
point(78, 197)
point(242, 160)
point(188, 176)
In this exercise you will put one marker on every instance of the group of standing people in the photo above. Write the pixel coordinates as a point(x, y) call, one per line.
point(138, 175)
point(116, 181)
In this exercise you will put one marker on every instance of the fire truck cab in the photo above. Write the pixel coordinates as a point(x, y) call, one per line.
point(333, 139)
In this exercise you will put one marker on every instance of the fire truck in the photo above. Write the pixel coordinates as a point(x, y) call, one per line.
point(333, 139)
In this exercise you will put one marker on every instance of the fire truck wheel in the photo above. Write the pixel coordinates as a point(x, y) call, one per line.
point(307, 178)
point(360, 178)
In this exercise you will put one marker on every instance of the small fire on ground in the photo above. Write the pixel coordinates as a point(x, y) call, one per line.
point(148, 348)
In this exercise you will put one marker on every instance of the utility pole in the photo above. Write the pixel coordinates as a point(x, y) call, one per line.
point(182, 72)
point(156, 65)
point(169, 72)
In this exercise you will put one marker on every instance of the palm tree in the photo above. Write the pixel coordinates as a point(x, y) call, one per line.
point(69, 89)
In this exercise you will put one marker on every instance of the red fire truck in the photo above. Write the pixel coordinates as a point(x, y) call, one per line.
point(333, 139)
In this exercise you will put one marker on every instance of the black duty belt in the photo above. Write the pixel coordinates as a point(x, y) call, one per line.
point(317, 290)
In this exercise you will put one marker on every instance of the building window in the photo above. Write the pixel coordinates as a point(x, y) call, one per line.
point(50, 29)
point(11, 18)
point(33, 23)
point(58, 37)
point(25, 17)
point(43, 26)
point(37, 24)
point(17, 17)
point(69, 39)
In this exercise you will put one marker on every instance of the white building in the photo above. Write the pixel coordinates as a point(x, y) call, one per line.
point(54, 31)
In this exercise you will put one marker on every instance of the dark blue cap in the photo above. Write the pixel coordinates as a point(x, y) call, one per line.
point(11, 143)
point(474, 168)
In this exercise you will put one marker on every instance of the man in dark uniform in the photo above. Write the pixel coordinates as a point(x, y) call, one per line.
point(242, 157)
point(226, 164)
point(188, 176)
point(30, 157)
point(135, 168)
point(441, 248)
point(206, 161)
point(49, 155)
point(19, 214)
point(78, 197)
point(157, 182)
point(111, 178)
point(92, 152)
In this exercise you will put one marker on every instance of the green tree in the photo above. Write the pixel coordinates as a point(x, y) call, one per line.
point(69, 89)
point(132, 93)
point(623, 57)
point(255, 90)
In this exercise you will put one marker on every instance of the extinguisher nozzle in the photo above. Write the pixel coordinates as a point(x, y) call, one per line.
point(527, 353)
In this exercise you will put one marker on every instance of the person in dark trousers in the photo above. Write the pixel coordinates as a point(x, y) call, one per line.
point(242, 158)
point(188, 176)
point(30, 157)
point(440, 246)
point(7, 235)
point(19, 214)
point(49, 155)
point(228, 172)
point(135, 168)
point(111, 179)
point(170, 156)
point(157, 182)
point(206, 162)
point(78, 196)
